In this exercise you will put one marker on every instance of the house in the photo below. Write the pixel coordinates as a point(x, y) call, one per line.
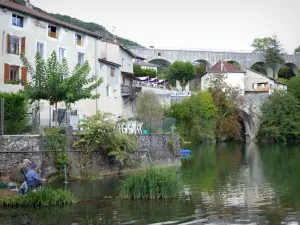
point(25, 30)
point(116, 69)
point(256, 82)
point(233, 76)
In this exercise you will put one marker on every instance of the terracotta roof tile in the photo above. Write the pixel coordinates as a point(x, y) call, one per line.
point(224, 67)
point(42, 16)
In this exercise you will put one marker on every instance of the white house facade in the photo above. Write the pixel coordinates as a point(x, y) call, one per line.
point(233, 76)
point(25, 30)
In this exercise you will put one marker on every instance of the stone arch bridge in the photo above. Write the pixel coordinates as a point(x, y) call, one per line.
point(209, 58)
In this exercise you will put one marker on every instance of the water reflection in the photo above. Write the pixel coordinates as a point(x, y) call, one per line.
point(223, 184)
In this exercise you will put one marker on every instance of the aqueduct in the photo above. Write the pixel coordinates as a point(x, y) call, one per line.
point(209, 58)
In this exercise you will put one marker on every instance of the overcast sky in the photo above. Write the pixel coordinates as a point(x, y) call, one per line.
point(197, 24)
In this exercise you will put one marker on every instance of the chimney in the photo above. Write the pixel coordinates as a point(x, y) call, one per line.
point(27, 3)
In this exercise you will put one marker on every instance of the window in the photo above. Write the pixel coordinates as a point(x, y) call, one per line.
point(107, 91)
point(78, 40)
point(13, 45)
point(14, 73)
point(159, 54)
point(262, 84)
point(17, 20)
point(80, 58)
point(112, 71)
point(62, 54)
point(52, 31)
point(40, 47)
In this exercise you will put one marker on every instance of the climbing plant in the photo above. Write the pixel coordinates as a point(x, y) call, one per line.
point(55, 140)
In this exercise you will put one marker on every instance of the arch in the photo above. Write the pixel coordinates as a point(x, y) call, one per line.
point(202, 61)
point(235, 63)
point(288, 70)
point(259, 67)
point(160, 62)
point(249, 124)
point(202, 66)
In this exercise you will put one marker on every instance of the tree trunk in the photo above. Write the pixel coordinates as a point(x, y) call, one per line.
point(56, 114)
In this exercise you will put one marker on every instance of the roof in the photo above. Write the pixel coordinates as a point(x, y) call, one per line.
point(271, 78)
point(124, 48)
point(147, 64)
point(130, 75)
point(42, 16)
point(109, 62)
point(222, 66)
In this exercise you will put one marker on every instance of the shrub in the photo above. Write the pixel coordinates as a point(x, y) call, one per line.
point(55, 139)
point(153, 183)
point(42, 198)
point(100, 132)
point(280, 118)
point(15, 112)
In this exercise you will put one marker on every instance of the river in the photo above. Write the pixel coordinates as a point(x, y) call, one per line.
point(223, 184)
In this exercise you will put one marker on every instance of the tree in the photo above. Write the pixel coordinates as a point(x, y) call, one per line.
point(280, 121)
point(52, 81)
point(200, 69)
point(183, 72)
point(140, 72)
point(261, 45)
point(285, 72)
point(297, 49)
point(148, 107)
point(293, 86)
point(195, 117)
point(272, 50)
point(228, 101)
point(100, 132)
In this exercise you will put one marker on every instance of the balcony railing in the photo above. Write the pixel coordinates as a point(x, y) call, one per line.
point(79, 42)
point(53, 35)
point(129, 90)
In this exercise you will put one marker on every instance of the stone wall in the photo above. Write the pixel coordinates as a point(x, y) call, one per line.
point(13, 149)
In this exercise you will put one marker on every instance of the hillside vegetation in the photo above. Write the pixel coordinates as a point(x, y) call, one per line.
point(85, 25)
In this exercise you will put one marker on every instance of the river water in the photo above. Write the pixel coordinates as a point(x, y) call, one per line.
point(223, 184)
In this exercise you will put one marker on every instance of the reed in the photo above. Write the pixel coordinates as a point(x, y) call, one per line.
point(153, 183)
point(42, 198)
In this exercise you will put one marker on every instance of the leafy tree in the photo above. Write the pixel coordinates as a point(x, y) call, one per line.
point(272, 50)
point(280, 118)
point(52, 81)
point(183, 72)
point(228, 101)
point(297, 49)
point(140, 72)
point(100, 132)
point(259, 67)
point(149, 107)
point(15, 112)
point(261, 45)
point(285, 72)
point(200, 69)
point(195, 117)
point(294, 86)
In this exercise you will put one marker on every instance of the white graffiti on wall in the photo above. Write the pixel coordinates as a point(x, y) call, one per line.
point(131, 127)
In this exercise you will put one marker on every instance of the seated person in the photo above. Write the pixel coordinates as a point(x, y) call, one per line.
point(32, 177)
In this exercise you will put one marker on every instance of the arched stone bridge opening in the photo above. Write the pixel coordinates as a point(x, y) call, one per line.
point(209, 58)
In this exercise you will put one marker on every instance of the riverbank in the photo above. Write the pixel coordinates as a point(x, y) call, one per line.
point(153, 149)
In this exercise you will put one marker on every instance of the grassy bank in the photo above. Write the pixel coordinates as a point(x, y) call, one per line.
point(42, 198)
point(153, 183)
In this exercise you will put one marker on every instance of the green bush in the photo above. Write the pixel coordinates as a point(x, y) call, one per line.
point(55, 139)
point(15, 113)
point(42, 198)
point(153, 183)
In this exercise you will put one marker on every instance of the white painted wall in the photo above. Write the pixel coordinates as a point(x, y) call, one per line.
point(37, 31)
point(233, 79)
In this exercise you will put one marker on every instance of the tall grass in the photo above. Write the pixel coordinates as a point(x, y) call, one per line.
point(153, 183)
point(42, 198)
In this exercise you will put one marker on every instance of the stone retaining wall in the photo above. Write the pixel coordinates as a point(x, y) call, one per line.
point(13, 149)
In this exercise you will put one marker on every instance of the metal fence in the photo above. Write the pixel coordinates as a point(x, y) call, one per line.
point(162, 126)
